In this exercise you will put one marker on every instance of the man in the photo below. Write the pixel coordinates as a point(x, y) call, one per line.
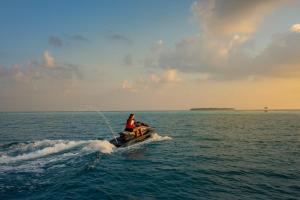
point(130, 123)
point(131, 126)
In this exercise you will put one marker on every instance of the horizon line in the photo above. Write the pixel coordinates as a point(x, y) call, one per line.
point(154, 110)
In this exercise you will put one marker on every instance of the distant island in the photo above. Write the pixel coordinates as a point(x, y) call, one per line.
point(212, 109)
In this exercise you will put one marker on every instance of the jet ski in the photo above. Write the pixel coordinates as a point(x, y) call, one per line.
point(127, 138)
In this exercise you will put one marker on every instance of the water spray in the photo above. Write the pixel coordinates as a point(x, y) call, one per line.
point(109, 126)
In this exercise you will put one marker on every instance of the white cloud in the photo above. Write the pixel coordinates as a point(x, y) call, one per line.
point(128, 86)
point(171, 76)
point(168, 77)
point(35, 71)
point(49, 61)
point(295, 28)
point(280, 58)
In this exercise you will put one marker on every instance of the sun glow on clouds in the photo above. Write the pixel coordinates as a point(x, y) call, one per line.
point(225, 49)
point(128, 86)
point(295, 28)
point(223, 17)
point(222, 55)
point(171, 76)
point(49, 60)
point(153, 80)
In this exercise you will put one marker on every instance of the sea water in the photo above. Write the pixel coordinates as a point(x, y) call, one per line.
point(193, 155)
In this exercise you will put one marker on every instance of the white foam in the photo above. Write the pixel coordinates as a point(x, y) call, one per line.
point(44, 148)
point(156, 137)
point(103, 146)
point(38, 164)
point(45, 142)
point(32, 145)
point(36, 153)
point(60, 146)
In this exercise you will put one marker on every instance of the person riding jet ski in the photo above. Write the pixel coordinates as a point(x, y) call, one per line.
point(134, 132)
point(130, 123)
point(135, 127)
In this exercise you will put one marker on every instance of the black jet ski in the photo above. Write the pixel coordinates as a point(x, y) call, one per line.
point(127, 138)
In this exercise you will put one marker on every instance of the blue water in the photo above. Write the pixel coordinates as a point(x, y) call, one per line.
point(194, 155)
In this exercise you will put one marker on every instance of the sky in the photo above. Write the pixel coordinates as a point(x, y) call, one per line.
point(149, 55)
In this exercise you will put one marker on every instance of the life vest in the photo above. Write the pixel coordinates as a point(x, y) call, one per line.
point(130, 123)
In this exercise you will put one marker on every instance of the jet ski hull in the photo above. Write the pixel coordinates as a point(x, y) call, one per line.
point(127, 138)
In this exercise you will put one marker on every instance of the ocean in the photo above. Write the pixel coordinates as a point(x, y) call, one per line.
point(193, 155)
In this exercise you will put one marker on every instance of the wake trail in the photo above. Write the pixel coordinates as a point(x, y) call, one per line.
point(103, 146)
point(55, 147)
point(46, 149)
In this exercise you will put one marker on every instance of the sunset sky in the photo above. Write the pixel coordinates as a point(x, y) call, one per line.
point(149, 55)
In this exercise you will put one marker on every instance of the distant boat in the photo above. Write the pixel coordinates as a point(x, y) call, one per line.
point(266, 109)
point(212, 109)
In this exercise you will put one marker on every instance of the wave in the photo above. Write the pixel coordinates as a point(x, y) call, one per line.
point(57, 147)
point(157, 137)
point(44, 148)
point(103, 146)
point(23, 147)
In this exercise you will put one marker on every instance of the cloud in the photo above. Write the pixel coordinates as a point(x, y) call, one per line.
point(65, 72)
point(225, 49)
point(57, 71)
point(55, 41)
point(120, 38)
point(154, 78)
point(35, 71)
point(229, 17)
point(169, 77)
point(280, 58)
point(128, 86)
point(295, 28)
point(49, 61)
point(58, 42)
point(158, 46)
point(18, 73)
point(78, 37)
point(189, 55)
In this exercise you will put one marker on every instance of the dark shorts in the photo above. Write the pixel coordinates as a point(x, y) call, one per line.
point(129, 129)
